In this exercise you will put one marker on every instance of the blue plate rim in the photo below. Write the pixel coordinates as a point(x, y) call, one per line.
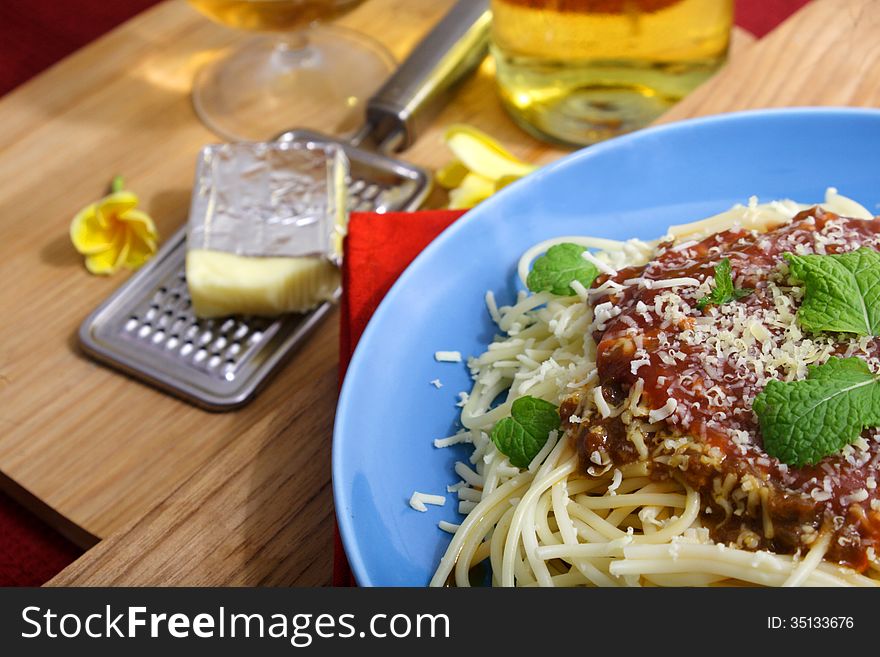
point(345, 523)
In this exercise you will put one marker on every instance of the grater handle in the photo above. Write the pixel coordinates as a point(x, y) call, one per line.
point(452, 50)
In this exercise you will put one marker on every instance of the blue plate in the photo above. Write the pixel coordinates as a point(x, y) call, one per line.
point(634, 186)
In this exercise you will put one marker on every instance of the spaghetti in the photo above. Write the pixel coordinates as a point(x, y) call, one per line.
point(627, 513)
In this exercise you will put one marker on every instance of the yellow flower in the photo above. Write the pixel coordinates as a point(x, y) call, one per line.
point(113, 233)
point(482, 167)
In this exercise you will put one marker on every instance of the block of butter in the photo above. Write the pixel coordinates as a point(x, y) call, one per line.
point(265, 228)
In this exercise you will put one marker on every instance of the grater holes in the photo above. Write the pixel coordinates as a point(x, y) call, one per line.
point(218, 347)
point(356, 187)
point(371, 192)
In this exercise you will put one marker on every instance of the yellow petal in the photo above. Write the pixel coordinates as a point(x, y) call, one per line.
point(139, 250)
point(112, 206)
point(504, 181)
point(140, 221)
point(472, 190)
point(111, 259)
point(483, 155)
point(87, 233)
point(451, 175)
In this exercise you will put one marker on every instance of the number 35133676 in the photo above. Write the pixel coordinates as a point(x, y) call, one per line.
point(810, 623)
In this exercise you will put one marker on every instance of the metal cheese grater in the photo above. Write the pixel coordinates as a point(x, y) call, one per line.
point(147, 328)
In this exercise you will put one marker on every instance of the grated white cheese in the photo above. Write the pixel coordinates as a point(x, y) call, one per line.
point(820, 495)
point(601, 265)
point(580, 290)
point(685, 281)
point(419, 500)
point(457, 439)
point(600, 402)
point(663, 412)
point(469, 494)
point(858, 496)
point(616, 480)
point(436, 383)
point(449, 527)
point(471, 477)
point(447, 356)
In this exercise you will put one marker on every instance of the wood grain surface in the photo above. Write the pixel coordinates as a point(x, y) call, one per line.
point(96, 446)
point(183, 496)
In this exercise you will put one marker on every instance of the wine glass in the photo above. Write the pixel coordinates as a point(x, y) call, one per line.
point(299, 75)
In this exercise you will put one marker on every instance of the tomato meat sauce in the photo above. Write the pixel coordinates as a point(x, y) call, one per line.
point(700, 370)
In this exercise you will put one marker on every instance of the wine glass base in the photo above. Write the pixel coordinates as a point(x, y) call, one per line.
point(320, 82)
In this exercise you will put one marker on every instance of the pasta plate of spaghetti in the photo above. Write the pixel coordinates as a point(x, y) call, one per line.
point(662, 358)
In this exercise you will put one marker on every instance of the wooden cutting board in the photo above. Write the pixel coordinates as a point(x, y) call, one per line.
point(183, 496)
point(96, 446)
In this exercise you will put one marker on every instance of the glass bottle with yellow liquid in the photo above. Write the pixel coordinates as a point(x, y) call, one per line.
point(579, 71)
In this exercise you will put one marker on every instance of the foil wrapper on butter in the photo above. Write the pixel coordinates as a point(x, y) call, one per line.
point(265, 228)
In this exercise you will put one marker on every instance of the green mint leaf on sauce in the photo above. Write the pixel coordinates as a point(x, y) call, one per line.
point(522, 435)
point(841, 292)
point(804, 421)
point(723, 292)
point(555, 270)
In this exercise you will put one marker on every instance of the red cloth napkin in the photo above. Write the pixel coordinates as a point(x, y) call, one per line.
point(378, 248)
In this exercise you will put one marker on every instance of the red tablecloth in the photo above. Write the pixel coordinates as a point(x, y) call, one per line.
point(31, 552)
point(34, 34)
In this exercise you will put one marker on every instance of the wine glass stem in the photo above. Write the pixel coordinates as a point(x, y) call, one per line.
point(292, 49)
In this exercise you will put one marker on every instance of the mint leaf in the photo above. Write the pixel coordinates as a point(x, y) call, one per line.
point(522, 435)
point(842, 292)
point(804, 421)
point(555, 270)
point(723, 292)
